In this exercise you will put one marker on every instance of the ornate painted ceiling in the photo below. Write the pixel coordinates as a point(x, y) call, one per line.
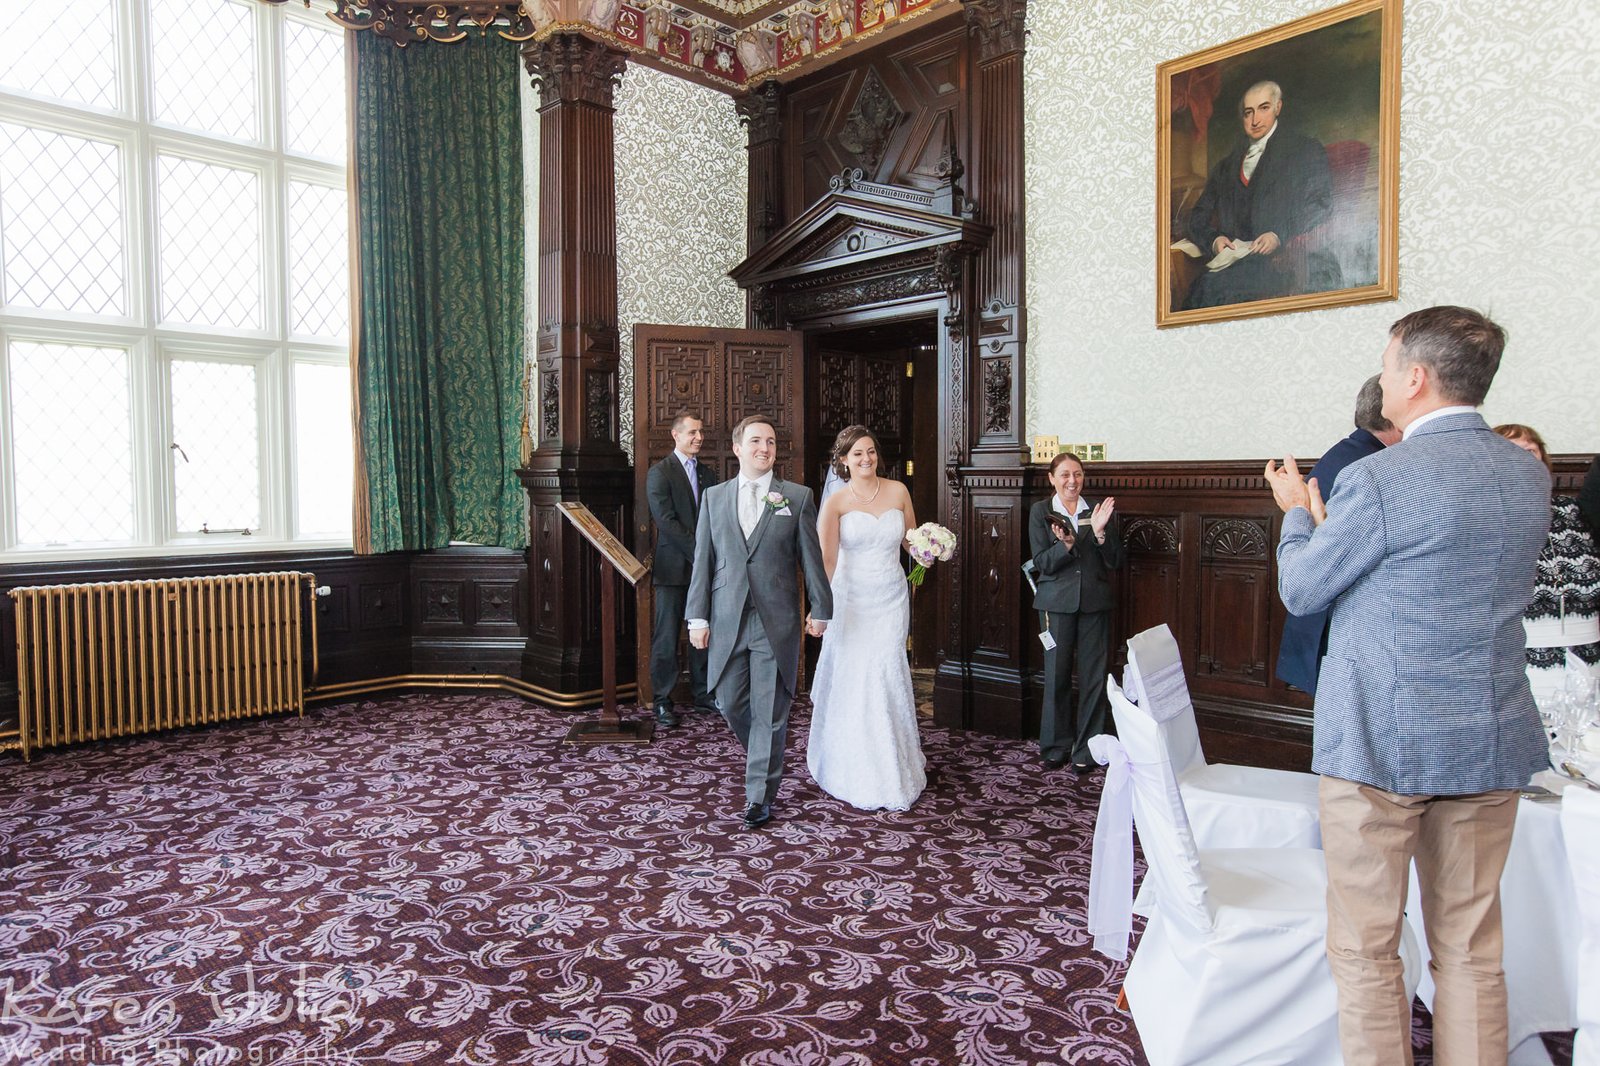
point(728, 44)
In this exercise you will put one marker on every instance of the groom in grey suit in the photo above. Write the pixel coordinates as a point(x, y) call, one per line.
point(754, 529)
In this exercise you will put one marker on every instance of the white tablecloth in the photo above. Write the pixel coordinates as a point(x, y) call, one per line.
point(1540, 918)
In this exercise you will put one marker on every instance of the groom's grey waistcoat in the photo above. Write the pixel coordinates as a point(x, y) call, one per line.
point(730, 572)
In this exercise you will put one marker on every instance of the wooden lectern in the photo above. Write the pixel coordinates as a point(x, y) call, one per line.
point(609, 728)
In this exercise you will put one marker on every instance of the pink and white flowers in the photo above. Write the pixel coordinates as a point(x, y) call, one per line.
point(929, 543)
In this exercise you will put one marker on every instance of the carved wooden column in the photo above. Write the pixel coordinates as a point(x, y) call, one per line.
point(996, 31)
point(985, 684)
point(578, 455)
point(761, 113)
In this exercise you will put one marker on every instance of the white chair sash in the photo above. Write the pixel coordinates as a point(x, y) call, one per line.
point(1111, 863)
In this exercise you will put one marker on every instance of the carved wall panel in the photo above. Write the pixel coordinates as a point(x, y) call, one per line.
point(997, 529)
point(543, 578)
point(681, 380)
point(382, 606)
point(1152, 592)
point(497, 603)
point(838, 398)
point(440, 601)
point(1234, 612)
point(550, 406)
point(600, 397)
point(890, 112)
point(761, 382)
point(997, 395)
point(1234, 538)
point(883, 399)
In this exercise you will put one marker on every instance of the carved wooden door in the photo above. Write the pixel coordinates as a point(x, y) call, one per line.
point(866, 388)
point(720, 376)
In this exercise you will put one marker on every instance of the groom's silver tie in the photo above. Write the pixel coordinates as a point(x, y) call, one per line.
point(749, 509)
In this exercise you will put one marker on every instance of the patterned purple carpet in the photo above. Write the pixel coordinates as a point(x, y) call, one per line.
point(438, 880)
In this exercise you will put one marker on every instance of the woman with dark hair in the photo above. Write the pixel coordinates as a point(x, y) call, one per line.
point(1563, 619)
point(1075, 547)
point(864, 746)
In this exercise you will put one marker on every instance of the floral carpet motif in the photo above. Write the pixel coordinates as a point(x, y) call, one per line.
point(439, 880)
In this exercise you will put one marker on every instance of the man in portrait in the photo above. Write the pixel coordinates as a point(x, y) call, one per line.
point(1273, 187)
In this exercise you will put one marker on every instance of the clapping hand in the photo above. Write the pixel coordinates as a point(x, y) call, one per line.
point(1289, 490)
point(1101, 517)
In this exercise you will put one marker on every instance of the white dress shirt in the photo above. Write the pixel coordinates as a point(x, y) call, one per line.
point(1422, 420)
point(763, 485)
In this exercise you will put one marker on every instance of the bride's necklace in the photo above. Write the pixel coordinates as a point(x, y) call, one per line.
point(869, 499)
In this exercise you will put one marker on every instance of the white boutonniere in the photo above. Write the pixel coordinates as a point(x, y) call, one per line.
point(777, 503)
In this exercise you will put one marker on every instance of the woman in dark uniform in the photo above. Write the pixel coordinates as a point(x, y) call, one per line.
point(1075, 547)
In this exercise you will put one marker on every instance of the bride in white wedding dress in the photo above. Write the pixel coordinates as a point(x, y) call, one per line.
point(864, 747)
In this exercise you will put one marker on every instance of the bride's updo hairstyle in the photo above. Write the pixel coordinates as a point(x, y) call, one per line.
point(845, 441)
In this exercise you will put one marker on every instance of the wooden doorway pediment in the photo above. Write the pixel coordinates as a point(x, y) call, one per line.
point(861, 227)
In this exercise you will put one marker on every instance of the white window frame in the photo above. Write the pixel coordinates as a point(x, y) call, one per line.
point(153, 344)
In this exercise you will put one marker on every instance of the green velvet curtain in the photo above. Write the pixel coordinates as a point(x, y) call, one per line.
point(437, 166)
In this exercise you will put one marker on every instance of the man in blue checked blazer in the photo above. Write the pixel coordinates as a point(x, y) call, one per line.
point(1424, 724)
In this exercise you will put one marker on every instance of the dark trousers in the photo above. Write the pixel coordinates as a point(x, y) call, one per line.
point(670, 600)
point(1081, 642)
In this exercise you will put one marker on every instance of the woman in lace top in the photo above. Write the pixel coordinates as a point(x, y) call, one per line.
point(1563, 621)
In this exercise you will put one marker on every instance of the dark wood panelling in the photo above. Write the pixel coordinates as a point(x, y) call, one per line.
point(890, 112)
point(368, 622)
point(470, 606)
point(1201, 557)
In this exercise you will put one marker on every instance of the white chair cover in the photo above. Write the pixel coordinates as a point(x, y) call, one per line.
point(1232, 968)
point(1229, 806)
point(1580, 824)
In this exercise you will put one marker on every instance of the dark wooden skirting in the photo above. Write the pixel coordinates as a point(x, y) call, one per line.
point(414, 619)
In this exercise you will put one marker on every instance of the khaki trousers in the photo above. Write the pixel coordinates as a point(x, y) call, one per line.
point(1370, 838)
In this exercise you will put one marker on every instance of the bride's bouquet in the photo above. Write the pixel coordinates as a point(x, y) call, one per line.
point(929, 543)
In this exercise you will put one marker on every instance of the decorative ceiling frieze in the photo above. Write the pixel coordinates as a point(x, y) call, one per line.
point(731, 45)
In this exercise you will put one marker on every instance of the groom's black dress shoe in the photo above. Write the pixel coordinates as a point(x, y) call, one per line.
point(1081, 768)
point(757, 814)
point(1055, 761)
point(664, 716)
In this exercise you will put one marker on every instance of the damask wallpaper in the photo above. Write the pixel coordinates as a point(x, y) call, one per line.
point(1499, 210)
point(681, 173)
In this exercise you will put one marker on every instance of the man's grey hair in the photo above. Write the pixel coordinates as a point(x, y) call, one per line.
point(1274, 91)
point(1460, 347)
point(1369, 407)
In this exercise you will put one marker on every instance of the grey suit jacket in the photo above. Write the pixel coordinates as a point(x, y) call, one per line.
point(1427, 559)
point(730, 572)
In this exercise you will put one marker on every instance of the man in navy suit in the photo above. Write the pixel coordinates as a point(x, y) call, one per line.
point(673, 488)
point(1424, 724)
point(1274, 186)
point(1305, 636)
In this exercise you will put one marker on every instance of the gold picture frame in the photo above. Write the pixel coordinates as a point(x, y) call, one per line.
point(1328, 174)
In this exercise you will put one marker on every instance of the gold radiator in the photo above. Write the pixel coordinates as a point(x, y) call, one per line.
point(123, 657)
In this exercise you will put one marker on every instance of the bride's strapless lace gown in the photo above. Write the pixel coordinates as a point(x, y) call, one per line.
point(864, 747)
